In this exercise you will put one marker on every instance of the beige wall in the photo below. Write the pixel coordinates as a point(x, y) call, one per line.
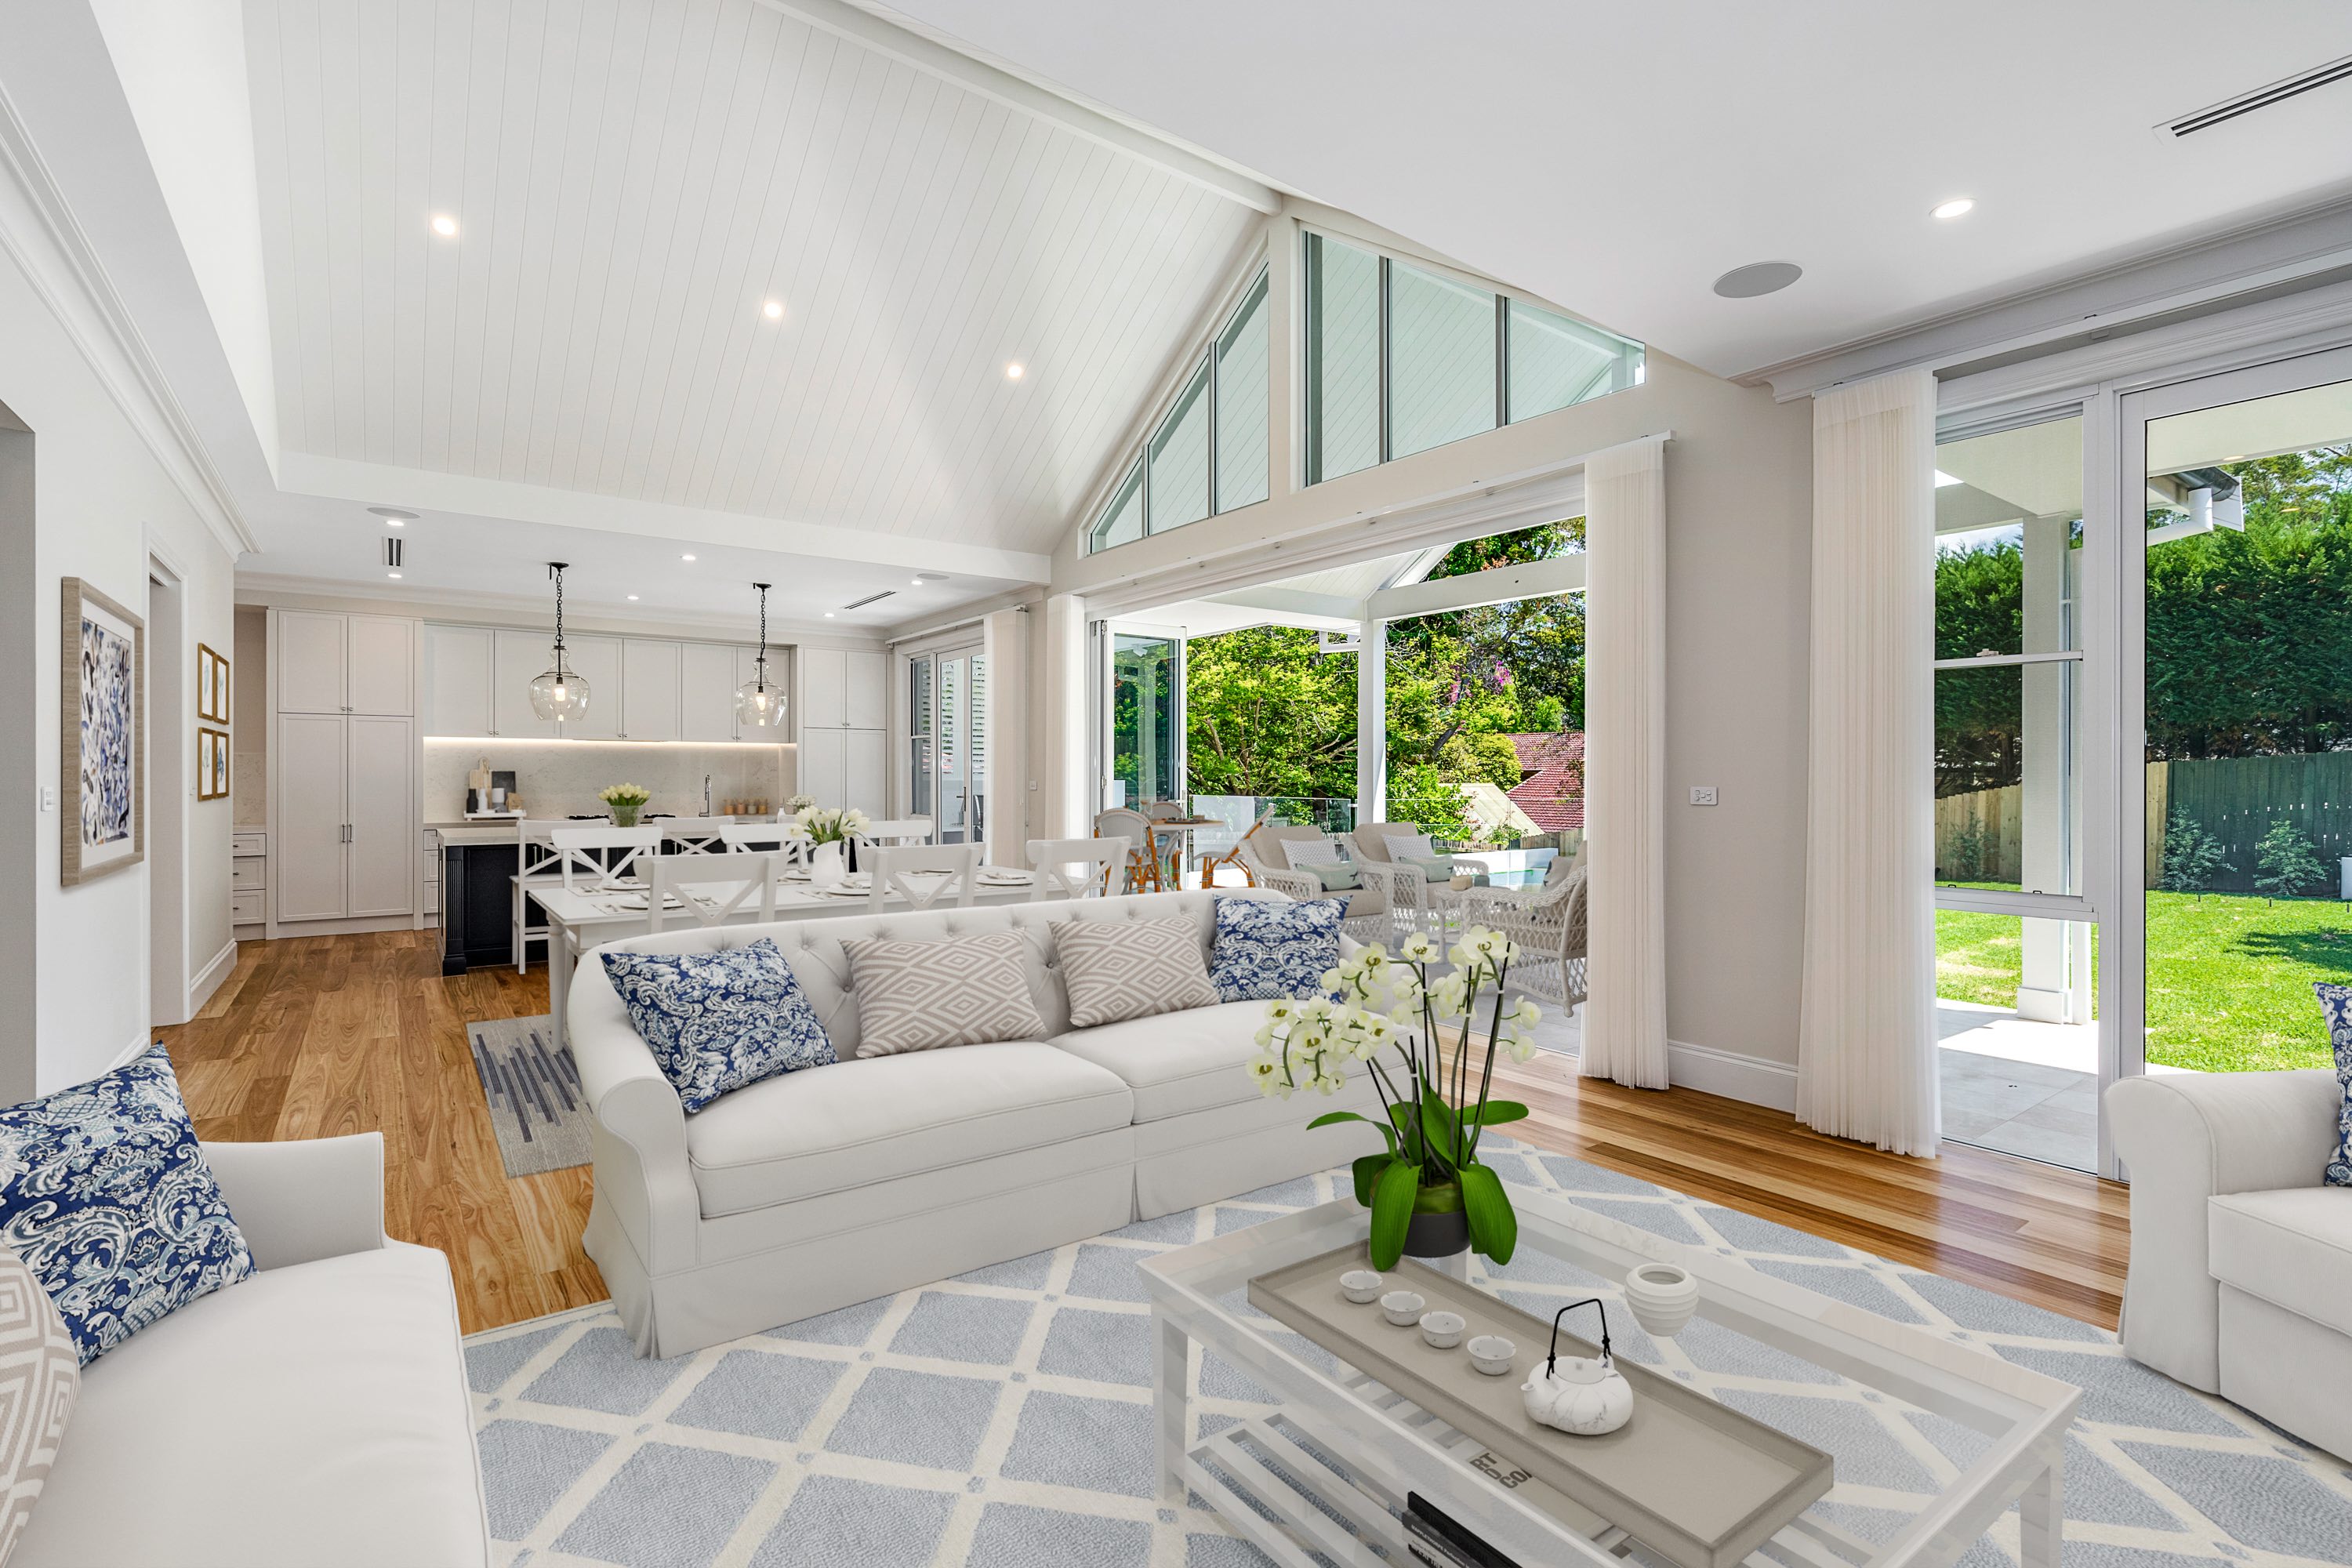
point(249, 717)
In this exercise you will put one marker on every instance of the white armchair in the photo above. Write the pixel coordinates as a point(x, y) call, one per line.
point(2241, 1277)
point(1548, 925)
point(1379, 908)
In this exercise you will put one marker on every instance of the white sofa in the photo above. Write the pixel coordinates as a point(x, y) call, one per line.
point(2240, 1279)
point(836, 1184)
point(315, 1413)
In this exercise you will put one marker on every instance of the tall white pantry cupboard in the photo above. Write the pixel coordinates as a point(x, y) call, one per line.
point(343, 761)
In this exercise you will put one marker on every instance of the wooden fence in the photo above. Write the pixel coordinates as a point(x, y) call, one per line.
point(2236, 799)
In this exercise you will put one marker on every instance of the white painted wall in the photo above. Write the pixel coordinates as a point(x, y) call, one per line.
point(100, 498)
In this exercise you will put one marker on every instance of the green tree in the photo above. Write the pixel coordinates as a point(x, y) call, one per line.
point(1268, 713)
point(2285, 864)
point(1421, 795)
point(2191, 854)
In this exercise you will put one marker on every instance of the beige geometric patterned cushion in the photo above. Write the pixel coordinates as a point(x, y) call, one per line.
point(921, 995)
point(40, 1372)
point(1117, 970)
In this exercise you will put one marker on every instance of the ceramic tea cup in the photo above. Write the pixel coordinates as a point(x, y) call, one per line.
point(1360, 1286)
point(1402, 1308)
point(1443, 1329)
point(1492, 1353)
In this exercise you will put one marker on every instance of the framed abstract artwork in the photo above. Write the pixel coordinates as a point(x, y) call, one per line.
point(101, 713)
point(212, 763)
point(211, 686)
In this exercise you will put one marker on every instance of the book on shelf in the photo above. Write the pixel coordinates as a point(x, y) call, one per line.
point(1440, 1540)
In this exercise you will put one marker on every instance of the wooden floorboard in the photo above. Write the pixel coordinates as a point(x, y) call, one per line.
point(319, 1036)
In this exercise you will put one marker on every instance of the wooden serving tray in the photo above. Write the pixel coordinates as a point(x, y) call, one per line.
point(1692, 1479)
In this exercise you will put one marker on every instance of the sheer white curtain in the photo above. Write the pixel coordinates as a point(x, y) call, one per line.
point(1866, 1065)
point(1624, 1035)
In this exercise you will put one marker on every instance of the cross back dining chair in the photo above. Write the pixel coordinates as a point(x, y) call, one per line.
point(694, 835)
point(589, 851)
point(726, 884)
point(896, 831)
point(1053, 861)
point(538, 863)
point(765, 838)
point(947, 873)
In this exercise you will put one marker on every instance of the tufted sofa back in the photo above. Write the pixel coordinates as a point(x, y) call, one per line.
point(814, 949)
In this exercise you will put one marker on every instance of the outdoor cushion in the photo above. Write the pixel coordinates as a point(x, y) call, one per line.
point(1437, 867)
point(1305, 853)
point(880, 1118)
point(2292, 1247)
point(1408, 845)
point(1178, 1062)
point(2336, 1003)
point(1336, 876)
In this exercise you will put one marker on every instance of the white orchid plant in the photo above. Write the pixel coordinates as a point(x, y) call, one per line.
point(830, 824)
point(1387, 1013)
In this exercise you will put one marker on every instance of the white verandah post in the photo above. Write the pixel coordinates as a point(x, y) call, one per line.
point(1372, 720)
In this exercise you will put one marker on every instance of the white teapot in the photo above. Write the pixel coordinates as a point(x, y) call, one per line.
point(1584, 1396)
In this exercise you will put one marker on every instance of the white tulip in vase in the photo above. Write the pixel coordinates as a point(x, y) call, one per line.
point(827, 830)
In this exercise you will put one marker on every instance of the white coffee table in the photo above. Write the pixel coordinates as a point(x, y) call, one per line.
point(1387, 1448)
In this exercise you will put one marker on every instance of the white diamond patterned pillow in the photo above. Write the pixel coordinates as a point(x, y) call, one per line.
point(1404, 846)
point(923, 995)
point(1117, 969)
point(40, 1373)
point(1304, 852)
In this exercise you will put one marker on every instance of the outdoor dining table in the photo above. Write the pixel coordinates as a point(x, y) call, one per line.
point(579, 918)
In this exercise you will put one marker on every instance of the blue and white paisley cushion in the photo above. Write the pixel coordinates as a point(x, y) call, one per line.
point(1267, 949)
point(717, 1021)
point(107, 1197)
point(2336, 1002)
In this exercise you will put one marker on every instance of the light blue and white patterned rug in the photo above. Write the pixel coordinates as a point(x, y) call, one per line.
point(1001, 1419)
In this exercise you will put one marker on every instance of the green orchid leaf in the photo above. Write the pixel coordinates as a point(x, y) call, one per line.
point(1494, 1224)
point(1392, 1212)
point(1439, 1126)
point(1498, 1112)
point(1368, 1168)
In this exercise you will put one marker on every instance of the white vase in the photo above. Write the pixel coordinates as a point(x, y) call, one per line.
point(825, 865)
point(1664, 1297)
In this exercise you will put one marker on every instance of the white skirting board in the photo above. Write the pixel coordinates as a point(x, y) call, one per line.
point(208, 979)
point(1758, 1081)
point(138, 1046)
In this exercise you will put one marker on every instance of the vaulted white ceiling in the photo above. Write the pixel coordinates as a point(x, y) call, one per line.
point(632, 182)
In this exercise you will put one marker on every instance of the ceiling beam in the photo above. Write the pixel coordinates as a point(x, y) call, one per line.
point(935, 54)
point(1496, 586)
point(378, 484)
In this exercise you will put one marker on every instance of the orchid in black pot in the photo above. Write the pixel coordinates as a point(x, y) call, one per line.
point(1428, 1192)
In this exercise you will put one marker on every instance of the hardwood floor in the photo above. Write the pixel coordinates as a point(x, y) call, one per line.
point(320, 1035)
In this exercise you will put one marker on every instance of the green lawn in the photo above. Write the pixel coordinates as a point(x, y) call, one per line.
point(2229, 985)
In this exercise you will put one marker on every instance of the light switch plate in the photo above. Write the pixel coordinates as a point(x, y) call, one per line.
point(49, 797)
point(1702, 794)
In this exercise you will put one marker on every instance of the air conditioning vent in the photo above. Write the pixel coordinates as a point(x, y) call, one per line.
point(2261, 98)
point(861, 604)
point(394, 548)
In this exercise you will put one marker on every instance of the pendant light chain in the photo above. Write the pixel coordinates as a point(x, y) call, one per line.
point(762, 660)
point(559, 566)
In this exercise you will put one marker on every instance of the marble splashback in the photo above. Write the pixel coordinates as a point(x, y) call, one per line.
point(558, 778)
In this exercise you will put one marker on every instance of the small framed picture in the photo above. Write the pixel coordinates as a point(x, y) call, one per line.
point(211, 686)
point(212, 764)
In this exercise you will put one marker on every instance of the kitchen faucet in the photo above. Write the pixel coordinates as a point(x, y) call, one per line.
point(705, 795)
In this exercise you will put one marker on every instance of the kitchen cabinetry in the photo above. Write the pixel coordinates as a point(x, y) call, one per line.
point(342, 763)
point(457, 683)
point(516, 659)
point(597, 660)
point(330, 663)
point(842, 729)
point(707, 691)
point(649, 689)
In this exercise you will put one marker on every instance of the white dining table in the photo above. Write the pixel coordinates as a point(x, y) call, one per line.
point(587, 916)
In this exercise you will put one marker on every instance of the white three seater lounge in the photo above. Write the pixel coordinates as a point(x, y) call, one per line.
point(836, 1185)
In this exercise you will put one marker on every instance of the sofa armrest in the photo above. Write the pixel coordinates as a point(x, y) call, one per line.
point(2187, 1137)
point(300, 1201)
point(639, 1147)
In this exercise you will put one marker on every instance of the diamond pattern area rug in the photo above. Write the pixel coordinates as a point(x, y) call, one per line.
point(1002, 1418)
point(532, 1091)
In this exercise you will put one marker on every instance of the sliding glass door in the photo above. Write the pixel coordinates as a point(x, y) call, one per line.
point(2238, 616)
point(947, 710)
point(1143, 719)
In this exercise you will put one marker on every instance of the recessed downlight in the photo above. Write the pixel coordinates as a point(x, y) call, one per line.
point(444, 225)
point(393, 575)
point(774, 309)
point(1758, 278)
point(633, 598)
point(828, 615)
point(392, 514)
point(685, 558)
point(1959, 206)
point(1015, 371)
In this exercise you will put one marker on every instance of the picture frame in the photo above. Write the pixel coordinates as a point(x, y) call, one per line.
point(212, 763)
point(102, 719)
point(211, 686)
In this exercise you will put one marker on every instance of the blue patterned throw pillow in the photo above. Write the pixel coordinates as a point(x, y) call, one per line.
point(1266, 948)
point(107, 1197)
point(2336, 1002)
point(717, 1021)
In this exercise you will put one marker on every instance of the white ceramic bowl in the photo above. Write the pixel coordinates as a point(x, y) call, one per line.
point(1443, 1329)
point(1492, 1353)
point(1402, 1308)
point(1360, 1286)
point(1664, 1297)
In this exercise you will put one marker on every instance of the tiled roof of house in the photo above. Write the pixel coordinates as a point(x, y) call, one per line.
point(1552, 786)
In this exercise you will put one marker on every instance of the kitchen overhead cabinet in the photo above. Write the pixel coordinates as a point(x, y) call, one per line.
point(516, 659)
point(330, 663)
point(649, 689)
point(707, 691)
point(596, 660)
point(458, 681)
point(845, 768)
point(346, 808)
point(842, 729)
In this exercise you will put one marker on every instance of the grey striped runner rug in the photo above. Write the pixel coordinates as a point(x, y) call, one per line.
point(532, 1091)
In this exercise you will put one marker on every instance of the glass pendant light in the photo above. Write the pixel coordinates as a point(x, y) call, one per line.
point(559, 693)
point(758, 704)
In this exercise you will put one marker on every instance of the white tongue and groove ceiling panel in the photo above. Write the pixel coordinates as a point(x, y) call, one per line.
point(632, 181)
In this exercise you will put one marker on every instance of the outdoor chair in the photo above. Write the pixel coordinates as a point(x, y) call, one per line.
point(1546, 924)
point(1143, 874)
point(1374, 913)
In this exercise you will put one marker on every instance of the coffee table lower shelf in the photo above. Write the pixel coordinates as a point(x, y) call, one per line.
point(1294, 1513)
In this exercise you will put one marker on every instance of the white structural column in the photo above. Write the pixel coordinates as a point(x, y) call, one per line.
point(1065, 807)
point(1372, 720)
point(1866, 1063)
point(1624, 1033)
point(2049, 850)
point(1005, 643)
